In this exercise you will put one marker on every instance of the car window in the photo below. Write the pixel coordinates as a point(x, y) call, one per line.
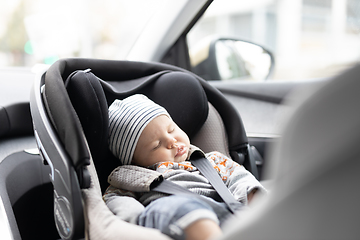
point(308, 38)
point(42, 31)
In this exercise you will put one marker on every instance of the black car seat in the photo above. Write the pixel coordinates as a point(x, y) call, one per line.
point(23, 179)
point(69, 108)
point(315, 170)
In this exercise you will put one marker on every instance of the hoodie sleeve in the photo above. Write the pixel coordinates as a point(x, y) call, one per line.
point(125, 208)
point(239, 181)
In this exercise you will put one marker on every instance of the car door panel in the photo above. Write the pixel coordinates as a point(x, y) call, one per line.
point(262, 107)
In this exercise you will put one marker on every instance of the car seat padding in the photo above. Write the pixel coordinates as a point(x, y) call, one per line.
point(88, 99)
point(64, 117)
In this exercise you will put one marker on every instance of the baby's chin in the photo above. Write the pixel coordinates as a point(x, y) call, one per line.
point(181, 159)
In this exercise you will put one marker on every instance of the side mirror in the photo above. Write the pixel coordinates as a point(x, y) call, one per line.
point(231, 59)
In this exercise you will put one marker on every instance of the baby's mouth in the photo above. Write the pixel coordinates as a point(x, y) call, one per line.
point(181, 150)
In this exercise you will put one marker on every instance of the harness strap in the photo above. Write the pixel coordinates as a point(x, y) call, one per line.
point(210, 173)
point(168, 187)
point(205, 167)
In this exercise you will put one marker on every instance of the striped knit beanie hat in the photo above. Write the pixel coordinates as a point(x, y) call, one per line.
point(127, 119)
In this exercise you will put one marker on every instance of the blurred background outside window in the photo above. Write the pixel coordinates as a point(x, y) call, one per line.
point(42, 31)
point(309, 38)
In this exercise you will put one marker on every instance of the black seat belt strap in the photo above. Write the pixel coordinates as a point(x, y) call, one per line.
point(252, 162)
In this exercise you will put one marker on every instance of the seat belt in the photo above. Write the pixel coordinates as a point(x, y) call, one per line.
point(249, 159)
point(205, 167)
point(168, 187)
point(253, 154)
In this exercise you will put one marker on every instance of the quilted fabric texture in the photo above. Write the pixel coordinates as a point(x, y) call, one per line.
point(127, 174)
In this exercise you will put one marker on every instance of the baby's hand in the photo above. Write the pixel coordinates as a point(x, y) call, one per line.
point(251, 194)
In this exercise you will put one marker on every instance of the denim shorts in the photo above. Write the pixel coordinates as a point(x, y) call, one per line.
point(172, 214)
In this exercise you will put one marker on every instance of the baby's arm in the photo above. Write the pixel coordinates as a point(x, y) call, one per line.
point(241, 183)
point(125, 207)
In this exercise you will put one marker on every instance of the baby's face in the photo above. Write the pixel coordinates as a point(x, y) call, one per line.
point(161, 141)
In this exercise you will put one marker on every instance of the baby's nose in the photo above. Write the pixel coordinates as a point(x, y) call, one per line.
point(172, 143)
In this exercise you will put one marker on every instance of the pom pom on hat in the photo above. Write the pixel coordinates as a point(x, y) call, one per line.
point(127, 119)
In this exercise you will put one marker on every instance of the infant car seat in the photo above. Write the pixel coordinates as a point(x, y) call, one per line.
point(69, 106)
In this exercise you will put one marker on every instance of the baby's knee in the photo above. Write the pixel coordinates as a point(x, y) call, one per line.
point(203, 229)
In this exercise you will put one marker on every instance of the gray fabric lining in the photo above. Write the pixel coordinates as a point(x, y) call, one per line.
point(212, 135)
point(130, 174)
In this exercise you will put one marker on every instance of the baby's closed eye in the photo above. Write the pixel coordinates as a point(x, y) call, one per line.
point(157, 146)
point(171, 129)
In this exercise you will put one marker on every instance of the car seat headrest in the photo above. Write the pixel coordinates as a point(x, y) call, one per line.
point(179, 93)
point(118, 73)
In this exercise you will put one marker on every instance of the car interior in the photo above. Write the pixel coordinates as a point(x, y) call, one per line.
point(298, 137)
point(314, 168)
point(67, 91)
point(27, 176)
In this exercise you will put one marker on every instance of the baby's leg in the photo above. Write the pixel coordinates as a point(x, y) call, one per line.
point(202, 229)
point(181, 217)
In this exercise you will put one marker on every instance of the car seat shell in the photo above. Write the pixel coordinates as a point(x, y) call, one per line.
point(62, 142)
